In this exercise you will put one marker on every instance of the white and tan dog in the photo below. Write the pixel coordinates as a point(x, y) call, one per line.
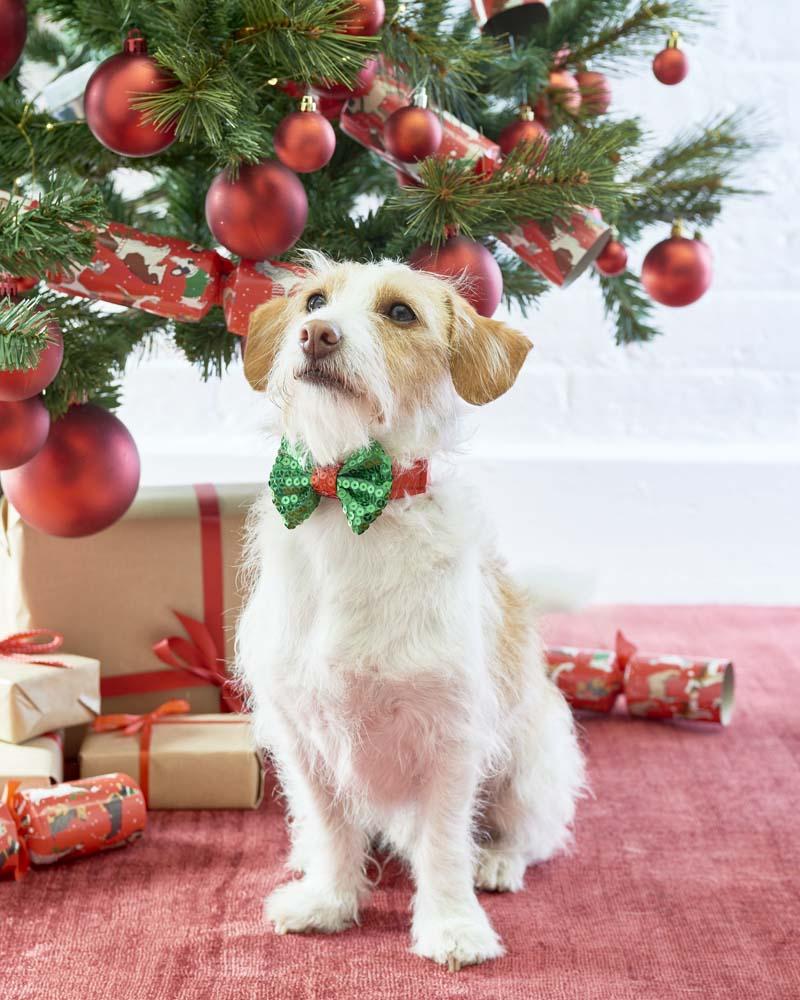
point(395, 676)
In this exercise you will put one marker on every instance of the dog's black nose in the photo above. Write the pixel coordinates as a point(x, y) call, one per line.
point(319, 338)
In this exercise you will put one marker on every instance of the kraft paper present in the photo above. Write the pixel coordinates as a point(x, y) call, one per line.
point(36, 698)
point(113, 595)
point(192, 762)
point(37, 763)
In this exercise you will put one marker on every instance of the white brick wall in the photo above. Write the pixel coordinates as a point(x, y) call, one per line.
point(680, 458)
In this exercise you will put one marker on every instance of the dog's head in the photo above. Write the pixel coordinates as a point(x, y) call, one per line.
point(375, 351)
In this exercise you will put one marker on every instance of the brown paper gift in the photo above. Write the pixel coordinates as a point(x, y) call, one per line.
point(37, 763)
point(181, 761)
point(36, 697)
point(114, 594)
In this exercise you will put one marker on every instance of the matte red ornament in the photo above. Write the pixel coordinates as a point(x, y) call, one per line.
point(526, 129)
point(15, 385)
point(464, 259)
point(13, 32)
point(366, 19)
point(23, 431)
point(261, 213)
point(113, 86)
point(304, 140)
point(671, 66)
point(595, 92)
point(363, 81)
point(410, 134)
point(677, 271)
point(83, 479)
point(612, 260)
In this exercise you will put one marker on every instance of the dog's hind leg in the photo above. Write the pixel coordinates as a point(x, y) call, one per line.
point(530, 804)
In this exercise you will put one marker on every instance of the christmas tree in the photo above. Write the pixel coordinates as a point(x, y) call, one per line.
point(476, 141)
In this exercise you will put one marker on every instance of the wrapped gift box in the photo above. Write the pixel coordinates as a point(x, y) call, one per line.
point(183, 761)
point(37, 763)
point(115, 594)
point(37, 696)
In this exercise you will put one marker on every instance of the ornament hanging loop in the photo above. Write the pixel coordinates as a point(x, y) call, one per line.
point(673, 40)
point(308, 103)
point(135, 43)
point(677, 229)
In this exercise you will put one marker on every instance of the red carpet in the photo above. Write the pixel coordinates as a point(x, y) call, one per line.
point(685, 882)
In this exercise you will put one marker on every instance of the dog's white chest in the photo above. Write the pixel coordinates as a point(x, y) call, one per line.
point(378, 737)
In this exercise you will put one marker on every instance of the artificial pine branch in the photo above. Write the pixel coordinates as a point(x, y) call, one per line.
point(23, 333)
point(630, 307)
point(208, 345)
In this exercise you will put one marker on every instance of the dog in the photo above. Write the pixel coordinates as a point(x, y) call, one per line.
point(392, 665)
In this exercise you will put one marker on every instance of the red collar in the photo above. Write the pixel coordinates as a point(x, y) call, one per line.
point(408, 482)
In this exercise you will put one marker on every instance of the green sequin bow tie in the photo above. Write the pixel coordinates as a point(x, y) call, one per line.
point(362, 484)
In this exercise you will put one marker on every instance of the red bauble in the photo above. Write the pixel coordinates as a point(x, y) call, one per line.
point(612, 260)
point(677, 271)
point(595, 92)
point(410, 134)
point(367, 19)
point(23, 431)
point(107, 101)
point(24, 384)
point(671, 66)
point(562, 92)
point(304, 141)
point(82, 480)
point(13, 32)
point(362, 83)
point(526, 129)
point(260, 214)
point(459, 257)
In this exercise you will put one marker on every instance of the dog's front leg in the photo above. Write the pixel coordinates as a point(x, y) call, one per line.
point(449, 924)
point(328, 896)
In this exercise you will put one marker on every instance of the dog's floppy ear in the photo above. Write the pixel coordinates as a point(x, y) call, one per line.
point(263, 341)
point(485, 354)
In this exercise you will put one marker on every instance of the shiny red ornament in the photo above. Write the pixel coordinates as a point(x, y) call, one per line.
point(595, 92)
point(13, 32)
point(677, 271)
point(671, 66)
point(83, 479)
point(613, 259)
point(412, 133)
point(562, 92)
point(304, 140)
point(465, 259)
point(362, 83)
point(259, 214)
point(525, 130)
point(366, 19)
point(15, 385)
point(23, 431)
point(107, 101)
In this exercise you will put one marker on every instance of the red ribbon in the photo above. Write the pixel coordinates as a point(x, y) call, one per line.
point(24, 646)
point(199, 656)
point(7, 800)
point(131, 725)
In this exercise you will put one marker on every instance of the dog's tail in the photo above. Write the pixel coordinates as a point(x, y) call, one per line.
point(554, 589)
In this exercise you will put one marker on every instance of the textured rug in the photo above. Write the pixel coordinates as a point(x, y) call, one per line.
point(684, 883)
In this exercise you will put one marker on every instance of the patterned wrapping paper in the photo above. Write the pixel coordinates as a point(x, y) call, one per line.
point(663, 686)
point(589, 678)
point(37, 763)
point(560, 249)
point(680, 687)
point(36, 697)
point(251, 284)
point(163, 275)
point(70, 820)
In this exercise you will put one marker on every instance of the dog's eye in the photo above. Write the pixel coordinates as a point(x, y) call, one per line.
point(401, 313)
point(315, 301)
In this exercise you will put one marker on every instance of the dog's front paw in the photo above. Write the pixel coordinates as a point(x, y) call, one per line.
point(456, 940)
point(499, 870)
point(300, 907)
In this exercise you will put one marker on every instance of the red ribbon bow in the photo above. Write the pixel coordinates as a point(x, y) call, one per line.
point(25, 646)
point(7, 800)
point(141, 725)
point(199, 656)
